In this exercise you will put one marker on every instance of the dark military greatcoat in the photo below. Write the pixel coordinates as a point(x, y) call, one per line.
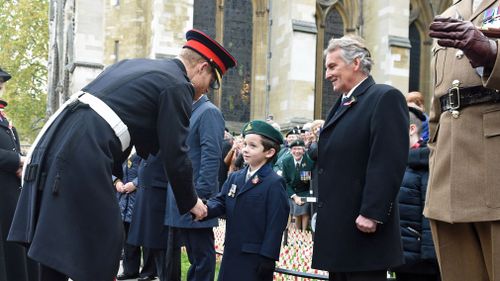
point(68, 214)
point(12, 256)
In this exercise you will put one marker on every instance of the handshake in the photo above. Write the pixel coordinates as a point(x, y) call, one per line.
point(199, 211)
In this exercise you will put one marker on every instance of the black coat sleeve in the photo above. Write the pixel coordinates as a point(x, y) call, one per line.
point(173, 127)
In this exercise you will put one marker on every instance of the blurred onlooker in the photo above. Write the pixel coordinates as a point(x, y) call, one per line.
point(292, 135)
point(126, 189)
point(306, 133)
point(312, 152)
point(13, 260)
point(234, 158)
point(147, 229)
point(227, 143)
point(297, 169)
point(420, 257)
point(417, 98)
point(316, 126)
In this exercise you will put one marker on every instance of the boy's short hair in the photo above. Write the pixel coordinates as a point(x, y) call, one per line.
point(271, 138)
point(268, 144)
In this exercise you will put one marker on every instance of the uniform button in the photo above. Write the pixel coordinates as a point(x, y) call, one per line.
point(320, 204)
point(320, 171)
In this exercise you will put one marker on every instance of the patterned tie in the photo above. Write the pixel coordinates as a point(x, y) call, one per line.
point(342, 101)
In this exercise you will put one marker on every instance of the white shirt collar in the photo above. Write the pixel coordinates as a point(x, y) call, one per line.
point(297, 162)
point(353, 88)
point(250, 174)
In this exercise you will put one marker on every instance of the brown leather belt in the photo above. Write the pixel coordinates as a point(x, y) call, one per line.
point(458, 98)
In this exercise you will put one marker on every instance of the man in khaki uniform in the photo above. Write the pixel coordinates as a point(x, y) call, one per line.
point(463, 199)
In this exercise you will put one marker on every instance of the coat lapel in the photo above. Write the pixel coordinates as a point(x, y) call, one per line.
point(261, 174)
point(360, 90)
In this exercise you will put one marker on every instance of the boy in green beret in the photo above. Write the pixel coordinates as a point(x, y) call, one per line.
point(255, 203)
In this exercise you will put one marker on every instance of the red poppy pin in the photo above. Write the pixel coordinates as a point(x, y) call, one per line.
point(255, 179)
point(349, 102)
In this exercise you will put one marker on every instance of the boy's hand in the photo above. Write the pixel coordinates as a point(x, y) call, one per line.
point(199, 210)
point(265, 269)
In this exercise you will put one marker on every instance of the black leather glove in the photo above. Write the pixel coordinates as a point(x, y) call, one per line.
point(265, 269)
point(463, 35)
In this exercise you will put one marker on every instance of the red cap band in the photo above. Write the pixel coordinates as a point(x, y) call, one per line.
point(205, 51)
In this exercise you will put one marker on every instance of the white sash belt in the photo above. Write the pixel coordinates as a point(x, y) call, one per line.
point(101, 108)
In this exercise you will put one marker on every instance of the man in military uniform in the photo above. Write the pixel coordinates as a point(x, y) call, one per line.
point(13, 259)
point(292, 135)
point(463, 198)
point(67, 213)
point(297, 169)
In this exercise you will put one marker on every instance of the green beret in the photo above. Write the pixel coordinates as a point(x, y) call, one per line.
point(294, 131)
point(262, 128)
point(297, 143)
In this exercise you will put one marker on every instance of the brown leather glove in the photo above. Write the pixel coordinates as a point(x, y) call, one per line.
point(463, 35)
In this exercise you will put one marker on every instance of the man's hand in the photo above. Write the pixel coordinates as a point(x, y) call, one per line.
point(119, 186)
point(365, 224)
point(199, 210)
point(19, 172)
point(463, 35)
point(297, 200)
point(129, 187)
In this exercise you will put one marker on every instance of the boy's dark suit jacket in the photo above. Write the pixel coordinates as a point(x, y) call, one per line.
point(256, 217)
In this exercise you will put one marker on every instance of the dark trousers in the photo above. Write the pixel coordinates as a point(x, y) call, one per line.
point(49, 274)
point(172, 258)
point(132, 258)
point(379, 275)
point(201, 253)
point(400, 276)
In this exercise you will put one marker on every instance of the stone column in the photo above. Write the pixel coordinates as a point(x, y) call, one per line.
point(293, 61)
point(386, 34)
point(86, 43)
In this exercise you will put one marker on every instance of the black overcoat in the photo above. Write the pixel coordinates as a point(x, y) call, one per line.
point(363, 150)
point(146, 228)
point(69, 215)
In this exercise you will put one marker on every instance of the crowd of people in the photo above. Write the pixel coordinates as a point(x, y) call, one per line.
point(393, 188)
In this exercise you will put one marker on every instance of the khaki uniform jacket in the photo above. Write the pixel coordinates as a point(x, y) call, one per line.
point(464, 183)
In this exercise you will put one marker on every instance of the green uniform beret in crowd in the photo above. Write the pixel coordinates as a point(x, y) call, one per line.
point(297, 143)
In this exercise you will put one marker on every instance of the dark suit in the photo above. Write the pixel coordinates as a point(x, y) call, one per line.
point(13, 258)
point(256, 218)
point(72, 198)
point(363, 150)
point(205, 146)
